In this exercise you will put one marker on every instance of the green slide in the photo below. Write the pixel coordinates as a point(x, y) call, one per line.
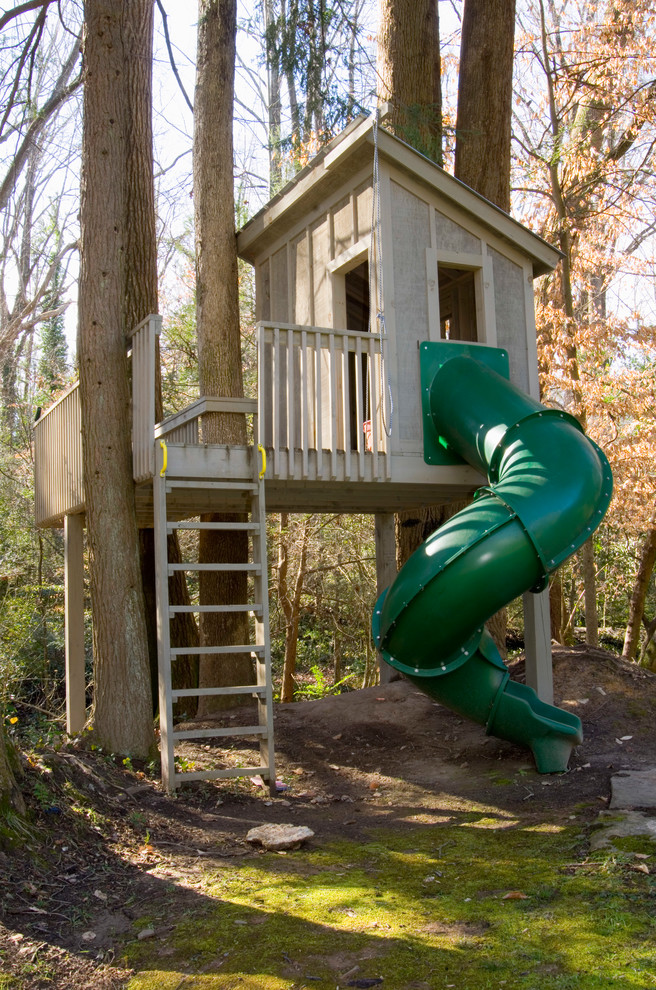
point(548, 489)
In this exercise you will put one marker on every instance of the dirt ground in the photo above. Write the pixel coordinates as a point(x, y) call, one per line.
point(104, 839)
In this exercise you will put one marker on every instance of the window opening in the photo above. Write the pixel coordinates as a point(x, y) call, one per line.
point(358, 312)
point(457, 303)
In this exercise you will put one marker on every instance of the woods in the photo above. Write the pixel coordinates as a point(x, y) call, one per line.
point(574, 160)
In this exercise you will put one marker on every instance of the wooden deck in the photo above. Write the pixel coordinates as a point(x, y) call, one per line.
point(319, 417)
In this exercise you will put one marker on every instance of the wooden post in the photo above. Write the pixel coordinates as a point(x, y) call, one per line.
point(74, 621)
point(537, 644)
point(385, 572)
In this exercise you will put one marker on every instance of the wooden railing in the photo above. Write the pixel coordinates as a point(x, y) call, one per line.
point(319, 390)
point(143, 341)
point(185, 426)
point(58, 484)
point(318, 398)
point(58, 476)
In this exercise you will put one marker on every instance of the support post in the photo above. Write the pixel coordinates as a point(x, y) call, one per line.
point(385, 573)
point(537, 645)
point(74, 622)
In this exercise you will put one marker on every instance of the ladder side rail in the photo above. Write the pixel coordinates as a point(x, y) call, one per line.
point(263, 635)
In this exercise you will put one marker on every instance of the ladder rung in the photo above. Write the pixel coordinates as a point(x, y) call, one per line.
point(173, 609)
point(201, 651)
point(220, 526)
point(238, 730)
point(192, 566)
point(264, 771)
point(208, 486)
point(218, 691)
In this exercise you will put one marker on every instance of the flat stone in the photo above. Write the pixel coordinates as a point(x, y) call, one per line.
point(279, 837)
point(619, 824)
point(633, 789)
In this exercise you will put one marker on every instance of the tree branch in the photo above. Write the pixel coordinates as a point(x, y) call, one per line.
point(169, 49)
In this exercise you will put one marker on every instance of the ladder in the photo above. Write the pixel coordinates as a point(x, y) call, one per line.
point(251, 492)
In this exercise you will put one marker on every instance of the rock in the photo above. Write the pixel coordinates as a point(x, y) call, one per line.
point(633, 789)
point(277, 837)
point(616, 825)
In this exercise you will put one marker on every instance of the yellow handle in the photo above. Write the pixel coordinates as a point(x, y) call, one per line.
point(165, 458)
point(263, 453)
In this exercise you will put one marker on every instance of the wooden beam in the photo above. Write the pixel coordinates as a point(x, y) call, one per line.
point(74, 621)
point(385, 573)
point(537, 644)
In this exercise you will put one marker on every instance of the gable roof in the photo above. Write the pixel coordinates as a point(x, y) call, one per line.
point(352, 150)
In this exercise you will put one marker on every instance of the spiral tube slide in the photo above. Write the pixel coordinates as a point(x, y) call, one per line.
point(548, 489)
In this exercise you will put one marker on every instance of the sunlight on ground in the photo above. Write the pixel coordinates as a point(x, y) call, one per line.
point(489, 905)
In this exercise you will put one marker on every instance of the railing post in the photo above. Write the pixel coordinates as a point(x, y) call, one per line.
point(74, 623)
point(144, 351)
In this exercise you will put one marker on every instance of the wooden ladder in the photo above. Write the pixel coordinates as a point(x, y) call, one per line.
point(252, 491)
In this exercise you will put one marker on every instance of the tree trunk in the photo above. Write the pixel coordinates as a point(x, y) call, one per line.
point(122, 698)
point(589, 571)
point(409, 72)
point(141, 299)
point(483, 126)
point(646, 563)
point(274, 108)
point(409, 80)
point(556, 607)
point(10, 795)
point(217, 320)
point(290, 601)
point(485, 99)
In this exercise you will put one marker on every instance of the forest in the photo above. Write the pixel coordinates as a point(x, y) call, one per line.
point(136, 139)
point(580, 173)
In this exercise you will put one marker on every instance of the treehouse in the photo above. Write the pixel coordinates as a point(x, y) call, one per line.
point(368, 253)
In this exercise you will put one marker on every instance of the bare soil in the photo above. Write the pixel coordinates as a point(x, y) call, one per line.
point(104, 840)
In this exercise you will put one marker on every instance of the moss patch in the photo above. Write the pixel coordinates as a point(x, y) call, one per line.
point(484, 903)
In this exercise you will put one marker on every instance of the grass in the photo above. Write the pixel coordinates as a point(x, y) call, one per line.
point(479, 903)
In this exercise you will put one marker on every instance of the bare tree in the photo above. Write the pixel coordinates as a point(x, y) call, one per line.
point(217, 322)
point(122, 695)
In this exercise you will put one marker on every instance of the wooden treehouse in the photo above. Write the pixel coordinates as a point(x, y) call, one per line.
point(352, 275)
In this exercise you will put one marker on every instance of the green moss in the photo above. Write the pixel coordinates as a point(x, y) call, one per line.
point(427, 906)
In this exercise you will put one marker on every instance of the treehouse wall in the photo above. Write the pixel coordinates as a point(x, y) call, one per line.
point(451, 266)
point(298, 280)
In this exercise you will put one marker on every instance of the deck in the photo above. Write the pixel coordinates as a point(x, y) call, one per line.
point(318, 415)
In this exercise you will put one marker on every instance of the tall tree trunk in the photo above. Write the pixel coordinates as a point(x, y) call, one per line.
point(290, 600)
point(10, 794)
point(409, 72)
point(565, 300)
point(274, 108)
point(556, 607)
point(122, 695)
point(485, 99)
point(217, 320)
point(589, 573)
point(646, 563)
point(409, 80)
point(141, 299)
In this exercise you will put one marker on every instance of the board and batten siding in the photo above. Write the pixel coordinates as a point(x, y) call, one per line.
point(510, 306)
point(411, 237)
